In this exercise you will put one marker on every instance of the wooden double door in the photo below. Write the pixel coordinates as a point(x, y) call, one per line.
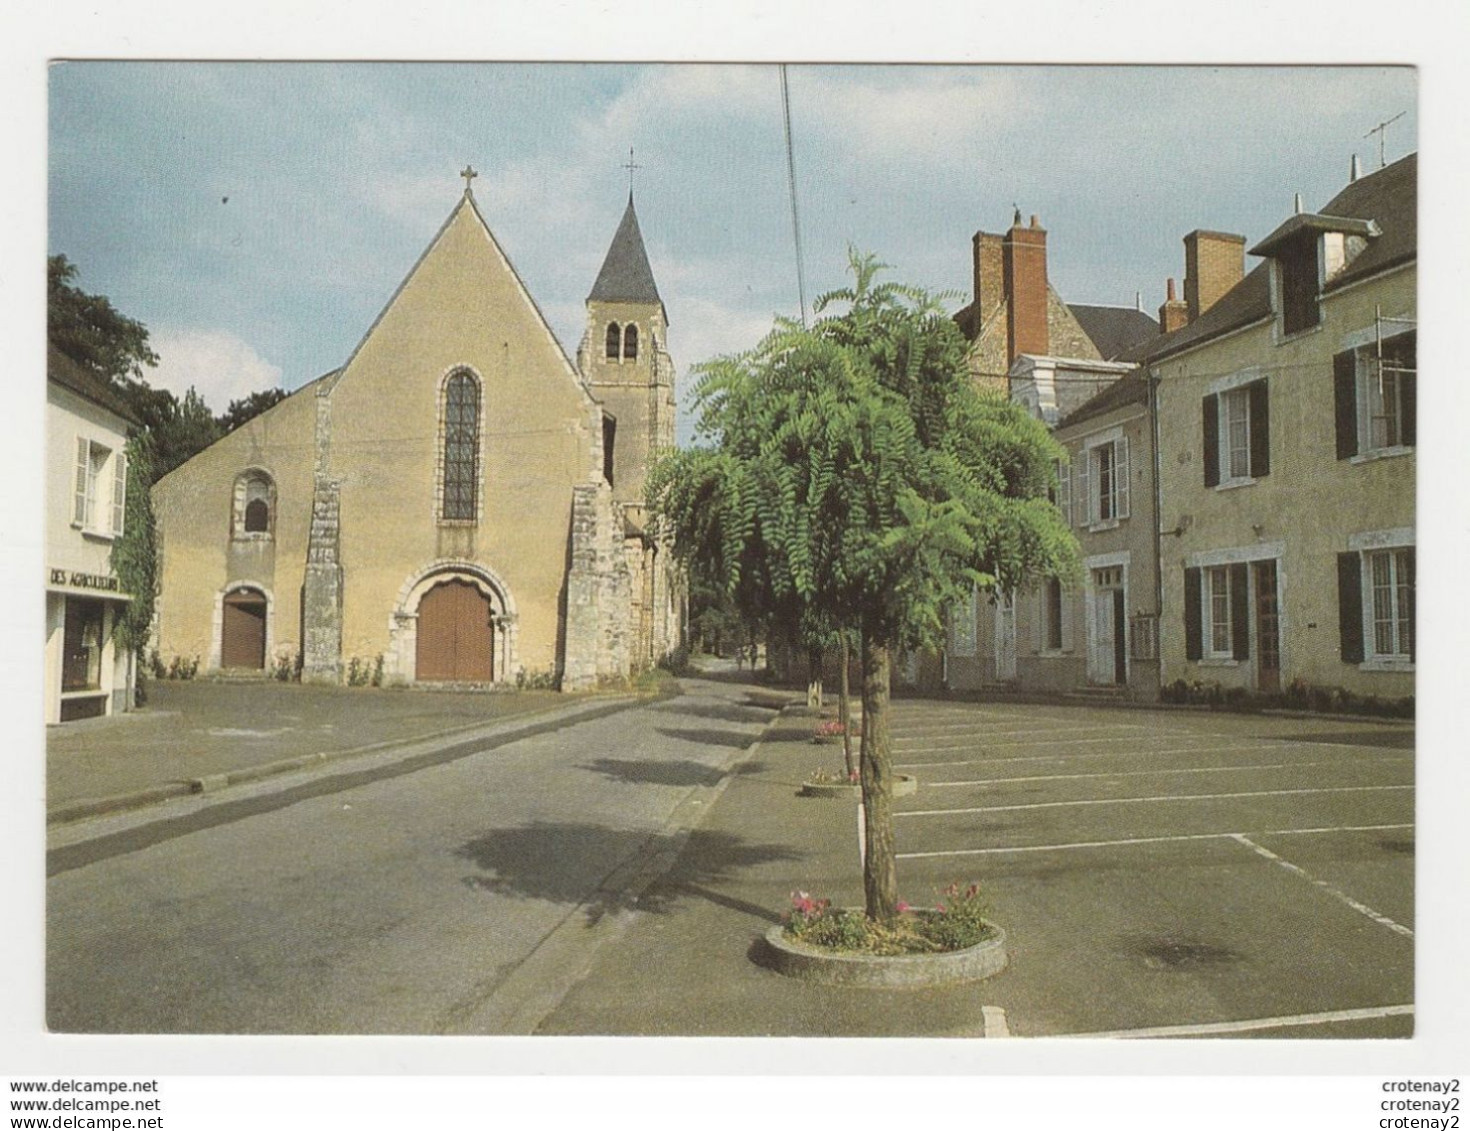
point(456, 634)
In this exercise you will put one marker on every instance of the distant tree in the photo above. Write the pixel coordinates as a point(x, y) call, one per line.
point(247, 408)
point(90, 331)
point(853, 473)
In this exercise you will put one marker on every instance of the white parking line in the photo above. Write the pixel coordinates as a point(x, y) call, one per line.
point(1128, 841)
point(1143, 753)
point(1146, 773)
point(1028, 732)
point(1142, 800)
point(1336, 893)
point(1254, 1024)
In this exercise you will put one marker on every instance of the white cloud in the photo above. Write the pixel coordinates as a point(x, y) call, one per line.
point(219, 365)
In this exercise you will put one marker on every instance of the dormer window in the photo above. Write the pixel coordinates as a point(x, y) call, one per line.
point(1297, 265)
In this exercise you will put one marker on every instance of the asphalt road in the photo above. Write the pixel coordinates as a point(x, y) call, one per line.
point(1169, 873)
point(398, 905)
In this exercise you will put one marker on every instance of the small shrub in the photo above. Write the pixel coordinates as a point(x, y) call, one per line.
point(140, 688)
point(155, 665)
point(183, 667)
point(285, 668)
point(536, 680)
point(377, 678)
point(955, 923)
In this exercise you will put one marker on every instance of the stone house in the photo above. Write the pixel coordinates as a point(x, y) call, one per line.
point(86, 673)
point(1286, 412)
point(456, 504)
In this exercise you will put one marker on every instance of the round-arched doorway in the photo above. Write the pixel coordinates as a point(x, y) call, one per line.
point(243, 629)
point(456, 634)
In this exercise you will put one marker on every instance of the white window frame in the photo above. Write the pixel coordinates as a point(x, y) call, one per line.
point(96, 465)
point(1395, 616)
point(1090, 480)
point(1382, 544)
point(1214, 579)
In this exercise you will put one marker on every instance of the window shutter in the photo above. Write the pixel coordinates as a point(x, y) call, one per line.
point(1413, 604)
point(1066, 618)
point(1121, 475)
point(1260, 406)
point(1350, 607)
point(1240, 612)
point(1082, 504)
point(1193, 620)
point(79, 506)
point(1345, 402)
point(1408, 430)
point(119, 491)
point(1064, 490)
point(1038, 620)
point(1210, 409)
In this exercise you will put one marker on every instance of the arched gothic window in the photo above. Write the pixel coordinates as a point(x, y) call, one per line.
point(460, 457)
point(254, 505)
point(630, 342)
point(614, 341)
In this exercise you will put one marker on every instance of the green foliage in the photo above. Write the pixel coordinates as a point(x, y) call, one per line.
point(183, 667)
point(956, 922)
point(247, 408)
point(852, 473)
point(1298, 696)
point(537, 680)
point(89, 330)
point(133, 557)
point(286, 668)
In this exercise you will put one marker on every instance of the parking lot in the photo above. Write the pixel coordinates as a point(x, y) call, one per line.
point(1173, 873)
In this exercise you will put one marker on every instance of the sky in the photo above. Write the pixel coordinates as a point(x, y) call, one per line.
point(256, 217)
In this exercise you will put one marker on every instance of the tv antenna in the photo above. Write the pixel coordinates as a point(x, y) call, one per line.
point(1381, 129)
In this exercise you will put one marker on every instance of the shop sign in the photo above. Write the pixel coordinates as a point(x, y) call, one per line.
point(79, 580)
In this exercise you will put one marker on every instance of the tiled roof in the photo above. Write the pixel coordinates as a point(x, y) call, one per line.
point(70, 374)
point(626, 275)
point(1114, 329)
point(1131, 388)
point(1387, 197)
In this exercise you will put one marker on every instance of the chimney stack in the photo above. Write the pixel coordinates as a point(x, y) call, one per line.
point(1174, 314)
point(1297, 208)
point(989, 274)
point(1213, 263)
point(1023, 255)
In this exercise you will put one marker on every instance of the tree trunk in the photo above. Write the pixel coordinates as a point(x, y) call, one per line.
point(844, 706)
point(814, 678)
point(880, 872)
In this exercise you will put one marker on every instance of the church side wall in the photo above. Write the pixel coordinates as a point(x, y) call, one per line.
point(201, 558)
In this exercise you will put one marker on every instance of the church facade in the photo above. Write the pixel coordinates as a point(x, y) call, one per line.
point(458, 504)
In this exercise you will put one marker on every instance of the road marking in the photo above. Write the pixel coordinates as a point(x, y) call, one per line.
point(1144, 773)
point(1142, 800)
point(1032, 741)
point(1336, 893)
point(1256, 1023)
point(995, 1021)
point(1178, 838)
point(1103, 754)
point(981, 732)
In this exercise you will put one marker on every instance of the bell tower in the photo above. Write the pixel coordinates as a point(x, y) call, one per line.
point(625, 361)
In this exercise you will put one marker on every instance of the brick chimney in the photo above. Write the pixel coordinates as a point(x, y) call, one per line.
point(989, 274)
point(1174, 313)
point(1024, 261)
point(1213, 263)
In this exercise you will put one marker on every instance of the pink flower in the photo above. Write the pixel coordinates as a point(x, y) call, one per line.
point(853, 776)
point(939, 907)
point(902, 906)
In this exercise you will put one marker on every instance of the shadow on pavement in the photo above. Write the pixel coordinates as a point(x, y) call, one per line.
point(1393, 739)
point(720, 712)
point(548, 860)
point(709, 737)
point(653, 772)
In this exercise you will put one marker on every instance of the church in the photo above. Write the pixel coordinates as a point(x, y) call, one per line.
point(457, 505)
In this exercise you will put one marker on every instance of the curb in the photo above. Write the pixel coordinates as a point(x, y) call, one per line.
point(212, 783)
point(902, 971)
point(521, 1002)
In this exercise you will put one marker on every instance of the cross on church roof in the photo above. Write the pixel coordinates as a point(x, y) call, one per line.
point(630, 166)
point(468, 174)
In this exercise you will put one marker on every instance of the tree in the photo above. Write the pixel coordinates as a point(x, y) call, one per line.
point(247, 408)
point(90, 331)
point(851, 473)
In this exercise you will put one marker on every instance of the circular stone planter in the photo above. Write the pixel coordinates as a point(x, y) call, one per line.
point(903, 971)
point(903, 785)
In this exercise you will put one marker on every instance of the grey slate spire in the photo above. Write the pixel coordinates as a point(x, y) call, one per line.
point(626, 275)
